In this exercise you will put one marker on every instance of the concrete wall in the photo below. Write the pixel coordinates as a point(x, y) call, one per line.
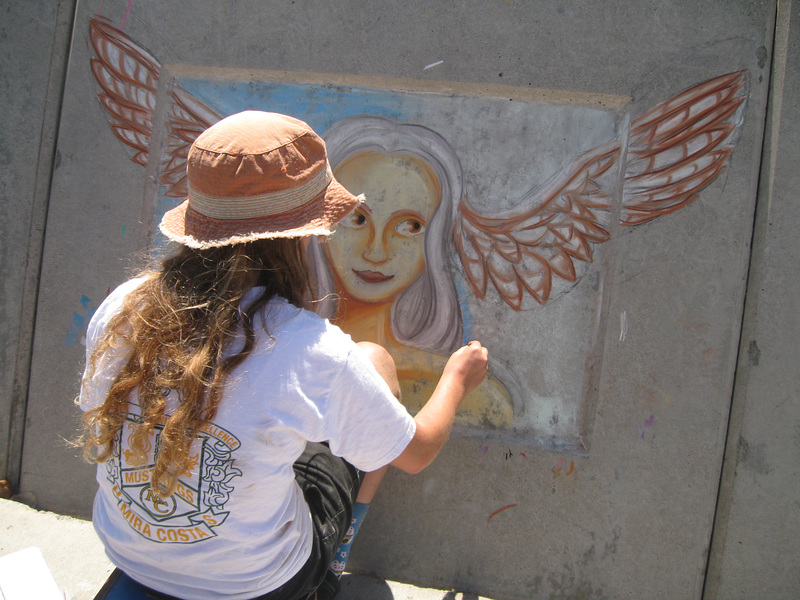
point(634, 518)
point(34, 37)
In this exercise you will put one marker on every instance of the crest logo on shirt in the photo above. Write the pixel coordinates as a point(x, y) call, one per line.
point(197, 506)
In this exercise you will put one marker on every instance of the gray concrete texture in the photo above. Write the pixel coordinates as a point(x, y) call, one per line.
point(634, 518)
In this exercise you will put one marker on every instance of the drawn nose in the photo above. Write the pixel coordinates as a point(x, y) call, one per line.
point(375, 251)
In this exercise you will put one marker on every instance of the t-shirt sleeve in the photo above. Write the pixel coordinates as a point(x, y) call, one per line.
point(365, 424)
point(93, 391)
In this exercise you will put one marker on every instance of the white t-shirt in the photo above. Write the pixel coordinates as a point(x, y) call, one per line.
point(238, 525)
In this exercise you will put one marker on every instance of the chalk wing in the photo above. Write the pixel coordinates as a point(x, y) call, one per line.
point(188, 118)
point(520, 252)
point(674, 151)
point(128, 78)
point(680, 147)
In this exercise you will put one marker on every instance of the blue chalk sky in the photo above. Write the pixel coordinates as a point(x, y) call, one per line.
point(318, 105)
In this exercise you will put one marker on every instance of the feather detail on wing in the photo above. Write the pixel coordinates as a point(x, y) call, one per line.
point(520, 251)
point(675, 150)
point(128, 78)
point(680, 147)
point(188, 117)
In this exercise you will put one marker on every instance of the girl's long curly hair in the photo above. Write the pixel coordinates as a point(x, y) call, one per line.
point(177, 324)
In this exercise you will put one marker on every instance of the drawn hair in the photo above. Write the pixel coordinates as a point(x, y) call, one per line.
point(177, 325)
point(427, 313)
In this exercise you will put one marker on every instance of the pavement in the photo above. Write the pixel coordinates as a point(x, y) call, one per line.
point(75, 558)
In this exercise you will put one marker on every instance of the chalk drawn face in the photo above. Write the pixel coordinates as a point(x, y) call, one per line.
point(378, 250)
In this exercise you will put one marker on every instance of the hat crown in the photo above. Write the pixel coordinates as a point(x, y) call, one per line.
point(251, 132)
point(251, 154)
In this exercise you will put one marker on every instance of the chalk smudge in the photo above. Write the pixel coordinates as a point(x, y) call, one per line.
point(663, 393)
point(499, 510)
point(126, 15)
point(647, 423)
point(76, 329)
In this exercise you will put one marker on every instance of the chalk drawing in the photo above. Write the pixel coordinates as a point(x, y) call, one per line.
point(387, 262)
point(623, 325)
point(433, 64)
point(675, 150)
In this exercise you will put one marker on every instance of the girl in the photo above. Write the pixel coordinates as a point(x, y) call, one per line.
point(231, 426)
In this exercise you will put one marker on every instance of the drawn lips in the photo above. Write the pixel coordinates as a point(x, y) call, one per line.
point(373, 276)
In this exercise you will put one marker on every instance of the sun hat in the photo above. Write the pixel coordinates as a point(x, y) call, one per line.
point(257, 175)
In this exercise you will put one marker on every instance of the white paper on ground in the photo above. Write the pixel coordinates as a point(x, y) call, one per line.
point(24, 575)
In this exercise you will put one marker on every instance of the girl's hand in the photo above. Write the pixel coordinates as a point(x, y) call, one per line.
point(468, 365)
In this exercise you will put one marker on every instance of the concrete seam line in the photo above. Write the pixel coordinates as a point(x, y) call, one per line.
point(62, 43)
point(774, 103)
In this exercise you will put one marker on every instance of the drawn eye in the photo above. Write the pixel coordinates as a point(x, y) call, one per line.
point(410, 228)
point(355, 220)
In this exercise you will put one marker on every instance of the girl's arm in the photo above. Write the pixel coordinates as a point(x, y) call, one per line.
point(464, 371)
